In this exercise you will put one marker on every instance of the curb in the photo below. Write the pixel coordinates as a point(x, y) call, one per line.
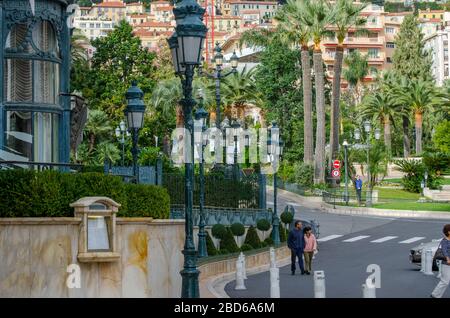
point(216, 285)
point(344, 210)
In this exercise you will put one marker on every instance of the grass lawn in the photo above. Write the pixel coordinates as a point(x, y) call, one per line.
point(387, 193)
point(444, 207)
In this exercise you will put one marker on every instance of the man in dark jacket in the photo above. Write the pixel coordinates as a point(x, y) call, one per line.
point(296, 242)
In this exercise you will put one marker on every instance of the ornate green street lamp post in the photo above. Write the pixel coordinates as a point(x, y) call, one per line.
point(217, 62)
point(135, 118)
point(275, 150)
point(236, 129)
point(200, 121)
point(186, 47)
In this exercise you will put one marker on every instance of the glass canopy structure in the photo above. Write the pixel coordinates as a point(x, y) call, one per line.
point(34, 70)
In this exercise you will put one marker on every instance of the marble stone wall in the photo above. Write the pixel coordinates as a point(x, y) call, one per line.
point(36, 252)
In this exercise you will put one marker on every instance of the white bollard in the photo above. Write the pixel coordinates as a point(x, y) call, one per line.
point(319, 284)
point(274, 283)
point(428, 262)
point(244, 264)
point(239, 276)
point(422, 261)
point(439, 265)
point(369, 292)
point(273, 260)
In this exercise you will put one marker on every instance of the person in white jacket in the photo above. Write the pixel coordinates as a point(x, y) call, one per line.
point(310, 248)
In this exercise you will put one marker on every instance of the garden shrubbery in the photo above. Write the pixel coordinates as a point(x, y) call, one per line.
point(28, 193)
point(211, 249)
point(252, 238)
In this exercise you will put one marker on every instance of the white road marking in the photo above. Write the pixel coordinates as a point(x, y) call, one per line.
point(293, 203)
point(328, 238)
point(384, 239)
point(356, 238)
point(411, 240)
point(269, 202)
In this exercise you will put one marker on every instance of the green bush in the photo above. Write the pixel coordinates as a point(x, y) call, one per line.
point(252, 238)
point(263, 225)
point(264, 244)
point(210, 246)
point(286, 217)
point(28, 193)
point(228, 242)
point(224, 251)
point(283, 234)
point(304, 175)
point(269, 240)
point(237, 229)
point(414, 173)
point(219, 231)
point(246, 247)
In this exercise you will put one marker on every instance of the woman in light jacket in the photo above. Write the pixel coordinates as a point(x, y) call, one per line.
point(310, 248)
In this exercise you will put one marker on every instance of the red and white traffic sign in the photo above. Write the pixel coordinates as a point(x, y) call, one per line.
point(336, 173)
point(336, 164)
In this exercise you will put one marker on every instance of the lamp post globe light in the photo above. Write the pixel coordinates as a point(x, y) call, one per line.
point(121, 131)
point(200, 121)
point(134, 113)
point(186, 48)
point(217, 75)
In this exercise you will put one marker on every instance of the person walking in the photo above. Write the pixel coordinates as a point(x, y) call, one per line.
point(440, 288)
point(296, 244)
point(358, 187)
point(310, 248)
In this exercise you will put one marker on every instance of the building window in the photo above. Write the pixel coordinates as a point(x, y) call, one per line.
point(389, 59)
point(373, 53)
point(390, 30)
point(97, 25)
point(390, 45)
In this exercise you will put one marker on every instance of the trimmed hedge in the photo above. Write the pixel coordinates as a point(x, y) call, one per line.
point(268, 241)
point(263, 225)
point(283, 235)
point(228, 243)
point(210, 246)
point(246, 247)
point(28, 193)
point(237, 229)
point(219, 231)
point(252, 238)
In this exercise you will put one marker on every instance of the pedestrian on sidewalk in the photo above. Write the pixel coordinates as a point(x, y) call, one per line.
point(440, 288)
point(296, 243)
point(310, 248)
point(358, 187)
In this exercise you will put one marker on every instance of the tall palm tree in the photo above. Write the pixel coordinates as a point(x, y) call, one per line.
point(419, 97)
point(290, 22)
point(317, 16)
point(240, 90)
point(78, 41)
point(381, 106)
point(347, 16)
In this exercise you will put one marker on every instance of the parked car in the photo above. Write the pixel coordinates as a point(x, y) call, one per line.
point(415, 255)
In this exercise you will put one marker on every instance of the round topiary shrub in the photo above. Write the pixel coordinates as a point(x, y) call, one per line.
point(252, 238)
point(237, 229)
point(287, 217)
point(228, 242)
point(210, 246)
point(246, 247)
point(263, 225)
point(219, 231)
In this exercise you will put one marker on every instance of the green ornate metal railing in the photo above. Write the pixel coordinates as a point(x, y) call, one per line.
point(220, 191)
point(221, 215)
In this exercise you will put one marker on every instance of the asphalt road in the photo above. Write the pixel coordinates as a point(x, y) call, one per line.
point(347, 251)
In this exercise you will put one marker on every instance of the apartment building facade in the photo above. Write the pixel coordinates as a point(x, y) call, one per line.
point(266, 9)
point(438, 45)
point(94, 27)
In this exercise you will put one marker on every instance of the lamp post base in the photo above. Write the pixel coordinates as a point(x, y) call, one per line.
point(189, 275)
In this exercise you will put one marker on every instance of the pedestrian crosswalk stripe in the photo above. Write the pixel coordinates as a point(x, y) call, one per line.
point(412, 239)
point(328, 238)
point(269, 202)
point(293, 203)
point(356, 238)
point(384, 239)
